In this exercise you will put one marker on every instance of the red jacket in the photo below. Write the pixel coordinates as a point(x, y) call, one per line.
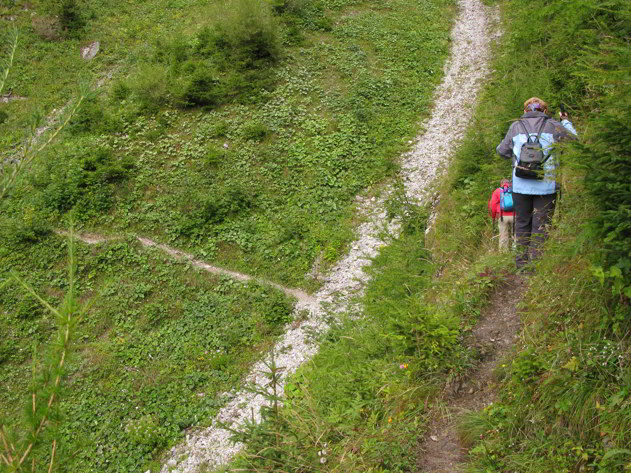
point(494, 205)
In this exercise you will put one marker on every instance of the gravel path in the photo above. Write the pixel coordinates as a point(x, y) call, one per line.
point(453, 104)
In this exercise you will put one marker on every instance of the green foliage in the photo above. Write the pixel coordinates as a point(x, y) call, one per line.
point(70, 17)
point(8, 45)
point(216, 208)
point(228, 60)
point(146, 433)
point(83, 181)
point(563, 402)
point(255, 131)
point(94, 118)
point(608, 160)
point(245, 32)
point(149, 367)
point(363, 399)
point(150, 88)
point(23, 438)
point(163, 340)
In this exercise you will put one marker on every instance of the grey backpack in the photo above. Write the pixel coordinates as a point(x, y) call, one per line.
point(531, 158)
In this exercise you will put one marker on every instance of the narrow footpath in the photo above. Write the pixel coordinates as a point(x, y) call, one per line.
point(441, 451)
point(95, 239)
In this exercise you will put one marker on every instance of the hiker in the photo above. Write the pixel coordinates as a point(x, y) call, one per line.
point(501, 208)
point(528, 142)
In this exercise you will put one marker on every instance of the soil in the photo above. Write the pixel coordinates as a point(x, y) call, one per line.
point(441, 451)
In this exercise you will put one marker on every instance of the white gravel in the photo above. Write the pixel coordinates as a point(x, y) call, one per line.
point(453, 106)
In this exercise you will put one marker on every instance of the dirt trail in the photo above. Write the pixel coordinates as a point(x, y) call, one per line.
point(441, 450)
point(95, 239)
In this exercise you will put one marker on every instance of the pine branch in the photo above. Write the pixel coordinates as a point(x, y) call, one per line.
point(52, 456)
point(56, 367)
point(9, 62)
point(28, 154)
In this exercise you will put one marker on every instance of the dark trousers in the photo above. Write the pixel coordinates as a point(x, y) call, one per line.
point(532, 216)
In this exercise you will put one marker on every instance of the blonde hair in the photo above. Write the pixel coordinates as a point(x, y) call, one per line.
point(531, 100)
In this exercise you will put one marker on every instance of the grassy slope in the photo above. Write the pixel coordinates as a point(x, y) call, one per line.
point(347, 97)
point(328, 132)
point(564, 393)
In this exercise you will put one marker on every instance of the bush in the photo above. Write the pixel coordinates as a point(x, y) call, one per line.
point(255, 131)
point(93, 118)
point(608, 158)
point(229, 60)
point(215, 208)
point(245, 32)
point(82, 181)
point(120, 91)
point(151, 87)
point(70, 17)
point(204, 88)
point(215, 156)
point(19, 232)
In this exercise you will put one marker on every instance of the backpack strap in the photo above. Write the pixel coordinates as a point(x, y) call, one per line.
point(527, 133)
point(502, 190)
point(538, 137)
point(543, 124)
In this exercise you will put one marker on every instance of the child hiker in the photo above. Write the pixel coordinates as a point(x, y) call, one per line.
point(501, 207)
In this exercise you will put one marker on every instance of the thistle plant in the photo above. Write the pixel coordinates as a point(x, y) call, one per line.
point(18, 445)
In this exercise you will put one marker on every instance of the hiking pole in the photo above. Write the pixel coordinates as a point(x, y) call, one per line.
point(558, 212)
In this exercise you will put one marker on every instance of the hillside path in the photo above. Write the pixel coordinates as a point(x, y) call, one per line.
point(442, 451)
point(95, 239)
point(452, 111)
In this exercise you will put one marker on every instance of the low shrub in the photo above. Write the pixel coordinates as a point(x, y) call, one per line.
point(245, 33)
point(213, 208)
point(229, 60)
point(94, 118)
point(70, 17)
point(215, 156)
point(151, 87)
point(255, 131)
point(81, 181)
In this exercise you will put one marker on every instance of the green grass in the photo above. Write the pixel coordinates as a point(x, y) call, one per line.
point(161, 342)
point(322, 144)
point(327, 121)
point(563, 396)
point(367, 395)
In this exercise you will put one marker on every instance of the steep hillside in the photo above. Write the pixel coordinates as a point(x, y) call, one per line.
point(240, 133)
point(246, 135)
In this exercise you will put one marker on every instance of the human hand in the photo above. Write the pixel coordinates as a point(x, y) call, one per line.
point(563, 115)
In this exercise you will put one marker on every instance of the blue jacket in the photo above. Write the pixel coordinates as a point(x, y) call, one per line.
point(553, 132)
